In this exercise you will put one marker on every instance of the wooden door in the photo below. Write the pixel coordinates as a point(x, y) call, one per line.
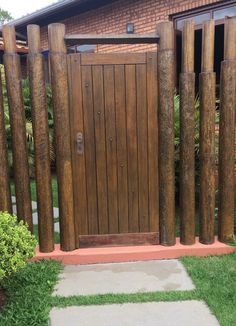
point(113, 112)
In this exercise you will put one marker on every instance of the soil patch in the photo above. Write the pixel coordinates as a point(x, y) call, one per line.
point(3, 298)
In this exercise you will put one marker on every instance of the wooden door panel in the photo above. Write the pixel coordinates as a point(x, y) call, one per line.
point(114, 105)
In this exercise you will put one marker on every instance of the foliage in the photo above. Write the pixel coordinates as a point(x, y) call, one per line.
point(17, 244)
point(5, 16)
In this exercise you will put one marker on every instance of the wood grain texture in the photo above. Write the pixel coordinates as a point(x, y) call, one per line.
point(152, 112)
point(187, 158)
point(227, 149)
point(5, 191)
point(125, 239)
point(112, 58)
point(103, 190)
point(111, 145)
point(41, 141)
point(207, 157)
point(165, 60)
point(208, 42)
point(132, 148)
point(89, 149)
point(18, 123)
point(122, 164)
point(142, 138)
point(60, 96)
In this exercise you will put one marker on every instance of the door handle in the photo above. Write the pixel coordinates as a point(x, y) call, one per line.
point(80, 143)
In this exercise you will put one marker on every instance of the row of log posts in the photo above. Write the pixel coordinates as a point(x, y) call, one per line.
point(41, 140)
point(17, 121)
point(227, 133)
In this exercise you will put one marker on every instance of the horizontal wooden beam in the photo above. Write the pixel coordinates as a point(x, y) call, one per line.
point(78, 39)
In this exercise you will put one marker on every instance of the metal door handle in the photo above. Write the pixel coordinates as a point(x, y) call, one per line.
point(80, 143)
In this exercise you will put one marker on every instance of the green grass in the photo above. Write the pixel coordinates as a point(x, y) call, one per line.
point(30, 301)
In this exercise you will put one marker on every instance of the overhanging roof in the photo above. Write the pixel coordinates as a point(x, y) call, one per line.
point(55, 12)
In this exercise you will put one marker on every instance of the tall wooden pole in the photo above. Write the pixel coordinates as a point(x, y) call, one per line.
point(187, 137)
point(5, 192)
point(207, 136)
point(166, 133)
point(41, 140)
point(17, 120)
point(58, 61)
point(227, 133)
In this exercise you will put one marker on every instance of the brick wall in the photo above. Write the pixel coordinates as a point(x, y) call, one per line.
point(112, 18)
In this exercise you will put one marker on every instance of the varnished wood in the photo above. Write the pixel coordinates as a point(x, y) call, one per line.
point(227, 134)
point(5, 192)
point(166, 134)
point(125, 239)
point(142, 137)
point(112, 58)
point(187, 137)
point(122, 176)
point(207, 136)
point(152, 112)
point(58, 64)
point(208, 38)
point(230, 39)
point(100, 137)
point(89, 149)
point(111, 145)
point(132, 148)
point(79, 167)
point(188, 47)
point(41, 140)
point(75, 39)
point(17, 121)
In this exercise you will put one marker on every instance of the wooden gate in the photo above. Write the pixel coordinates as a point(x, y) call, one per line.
point(113, 115)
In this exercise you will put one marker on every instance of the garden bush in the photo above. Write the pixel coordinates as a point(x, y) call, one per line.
point(17, 244)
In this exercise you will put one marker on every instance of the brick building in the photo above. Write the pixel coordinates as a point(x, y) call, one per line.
point(138, 16)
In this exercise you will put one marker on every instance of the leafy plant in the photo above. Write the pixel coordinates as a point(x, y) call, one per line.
point(17, 244)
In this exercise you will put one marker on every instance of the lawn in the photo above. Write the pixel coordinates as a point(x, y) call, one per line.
point(30, 291)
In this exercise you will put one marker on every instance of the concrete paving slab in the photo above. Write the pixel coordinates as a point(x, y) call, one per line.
point(57, 227)
point(35, 218)
point(34, 205)
point(185, 313)
point(14, 210)
point(56, 212)
point(13, 199)
point(132, 277)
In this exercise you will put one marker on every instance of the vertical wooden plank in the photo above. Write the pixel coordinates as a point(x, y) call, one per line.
point(227, 133)
point(89, 149)
point(121, 148)
point(187, 137)
point(166, 133)
point(5, 191)
point(60, 93)
point(207, 136)
point(78, 159)
point(17, 120)
point(111, 148)
point(132, 150)
point(100, 139)
point(41, 140)
point(152, 111)
point(142, 134)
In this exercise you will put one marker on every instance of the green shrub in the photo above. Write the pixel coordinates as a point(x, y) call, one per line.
point(17, 244)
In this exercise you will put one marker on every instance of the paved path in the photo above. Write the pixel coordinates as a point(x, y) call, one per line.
point(185, 313)
point(134, 277)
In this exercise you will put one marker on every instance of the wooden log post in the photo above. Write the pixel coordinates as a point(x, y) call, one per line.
point(207, 136)
point(5, 192)
point(227, 133)
point(166, 133)
point(60, 93)
point(18, 126)
point(187, 137)
point(41, 140)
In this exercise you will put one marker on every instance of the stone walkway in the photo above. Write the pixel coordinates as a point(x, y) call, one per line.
point(133, 277)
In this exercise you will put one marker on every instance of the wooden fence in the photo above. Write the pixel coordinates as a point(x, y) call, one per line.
point(166, 167)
